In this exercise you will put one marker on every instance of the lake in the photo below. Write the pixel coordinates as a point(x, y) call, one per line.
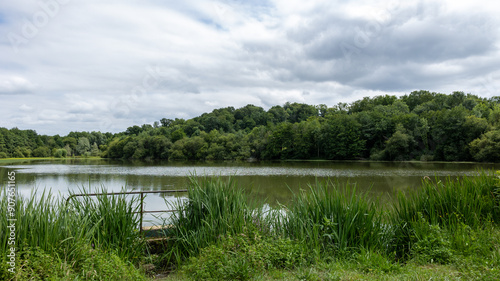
point(270, 181)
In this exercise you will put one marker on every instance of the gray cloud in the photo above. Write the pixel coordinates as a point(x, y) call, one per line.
point(107, 66)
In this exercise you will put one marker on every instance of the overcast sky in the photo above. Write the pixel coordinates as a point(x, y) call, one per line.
point(75, 65)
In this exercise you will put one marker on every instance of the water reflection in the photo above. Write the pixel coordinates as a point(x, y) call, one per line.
point(272, 181)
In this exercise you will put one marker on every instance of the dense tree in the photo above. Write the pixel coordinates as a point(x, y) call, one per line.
point(165, 122)
point(41, 151)
point(298, 112)
point(133, 130)
point(94, 150)
point(487, 147)
point(277, 114)
point(421, 125)
point(71, 142)
point(83, 146)
point(341, 137)
point(280, 142)
point(399, 145)
point(416, 98)
point(178, 134)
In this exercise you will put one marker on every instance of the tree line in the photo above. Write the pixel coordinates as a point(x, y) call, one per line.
point(422, 125)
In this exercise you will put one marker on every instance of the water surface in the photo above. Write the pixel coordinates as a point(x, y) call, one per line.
point(270, 181)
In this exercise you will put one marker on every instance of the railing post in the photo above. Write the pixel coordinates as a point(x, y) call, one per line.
point(142, 210)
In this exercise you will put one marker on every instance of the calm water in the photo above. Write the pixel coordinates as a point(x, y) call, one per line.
point(270, 181)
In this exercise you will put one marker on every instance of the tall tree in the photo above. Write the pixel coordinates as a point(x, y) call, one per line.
point(83, 146)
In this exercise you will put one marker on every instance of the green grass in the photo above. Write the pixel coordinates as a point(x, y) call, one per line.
point(449, 205)
point(445, 230)
point(216, 207)
point(370, 268)
point(332, 217)
point(27, 159)
point(71, 235)
point(20, 160)
point(111, 222)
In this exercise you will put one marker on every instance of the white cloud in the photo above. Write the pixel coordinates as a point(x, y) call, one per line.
point(12, 84)
point(98, 65)
point(24, 107)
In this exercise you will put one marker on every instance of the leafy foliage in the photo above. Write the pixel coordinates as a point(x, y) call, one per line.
point(421, 125)
point(325, 224)
point(241, 257)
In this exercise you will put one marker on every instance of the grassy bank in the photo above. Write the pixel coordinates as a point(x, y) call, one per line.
point(7, 161)
point(446, 230)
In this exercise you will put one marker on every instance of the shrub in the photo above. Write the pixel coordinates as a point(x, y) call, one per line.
point(36, 264)
point(431, 243)
point(240, 257)
point(96, 264)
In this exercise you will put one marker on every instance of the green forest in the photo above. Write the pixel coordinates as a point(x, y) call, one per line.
point(422, 125)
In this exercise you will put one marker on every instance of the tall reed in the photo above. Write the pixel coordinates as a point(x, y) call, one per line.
point(467, 201)
point(111, 221)
point(332, 217)
point(48, 223)
point(215, 207)
point(41, 222)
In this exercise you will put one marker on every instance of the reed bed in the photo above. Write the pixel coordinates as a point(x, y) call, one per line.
point(329, 216)
point(471, 201)
point(215, 207)
point(111, 222)
point(41, 223)
point(72, 233)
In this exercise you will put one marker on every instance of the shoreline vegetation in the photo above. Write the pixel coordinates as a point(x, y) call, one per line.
point(445, 230)
point(422, 125)
point(15, 160)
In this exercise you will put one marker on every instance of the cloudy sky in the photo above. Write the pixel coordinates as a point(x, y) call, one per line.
point(75, 65)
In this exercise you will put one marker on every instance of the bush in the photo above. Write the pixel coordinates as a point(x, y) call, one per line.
point(3, 155)
point(372, 261)
point(18, 154)
point(466, 241)
point(240, 257)
point(100, 265)
point(89, 264)
point(36, 264)
point(426, 158)
point(431, 243)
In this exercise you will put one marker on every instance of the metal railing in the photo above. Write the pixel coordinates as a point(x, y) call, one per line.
point(142, 211)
